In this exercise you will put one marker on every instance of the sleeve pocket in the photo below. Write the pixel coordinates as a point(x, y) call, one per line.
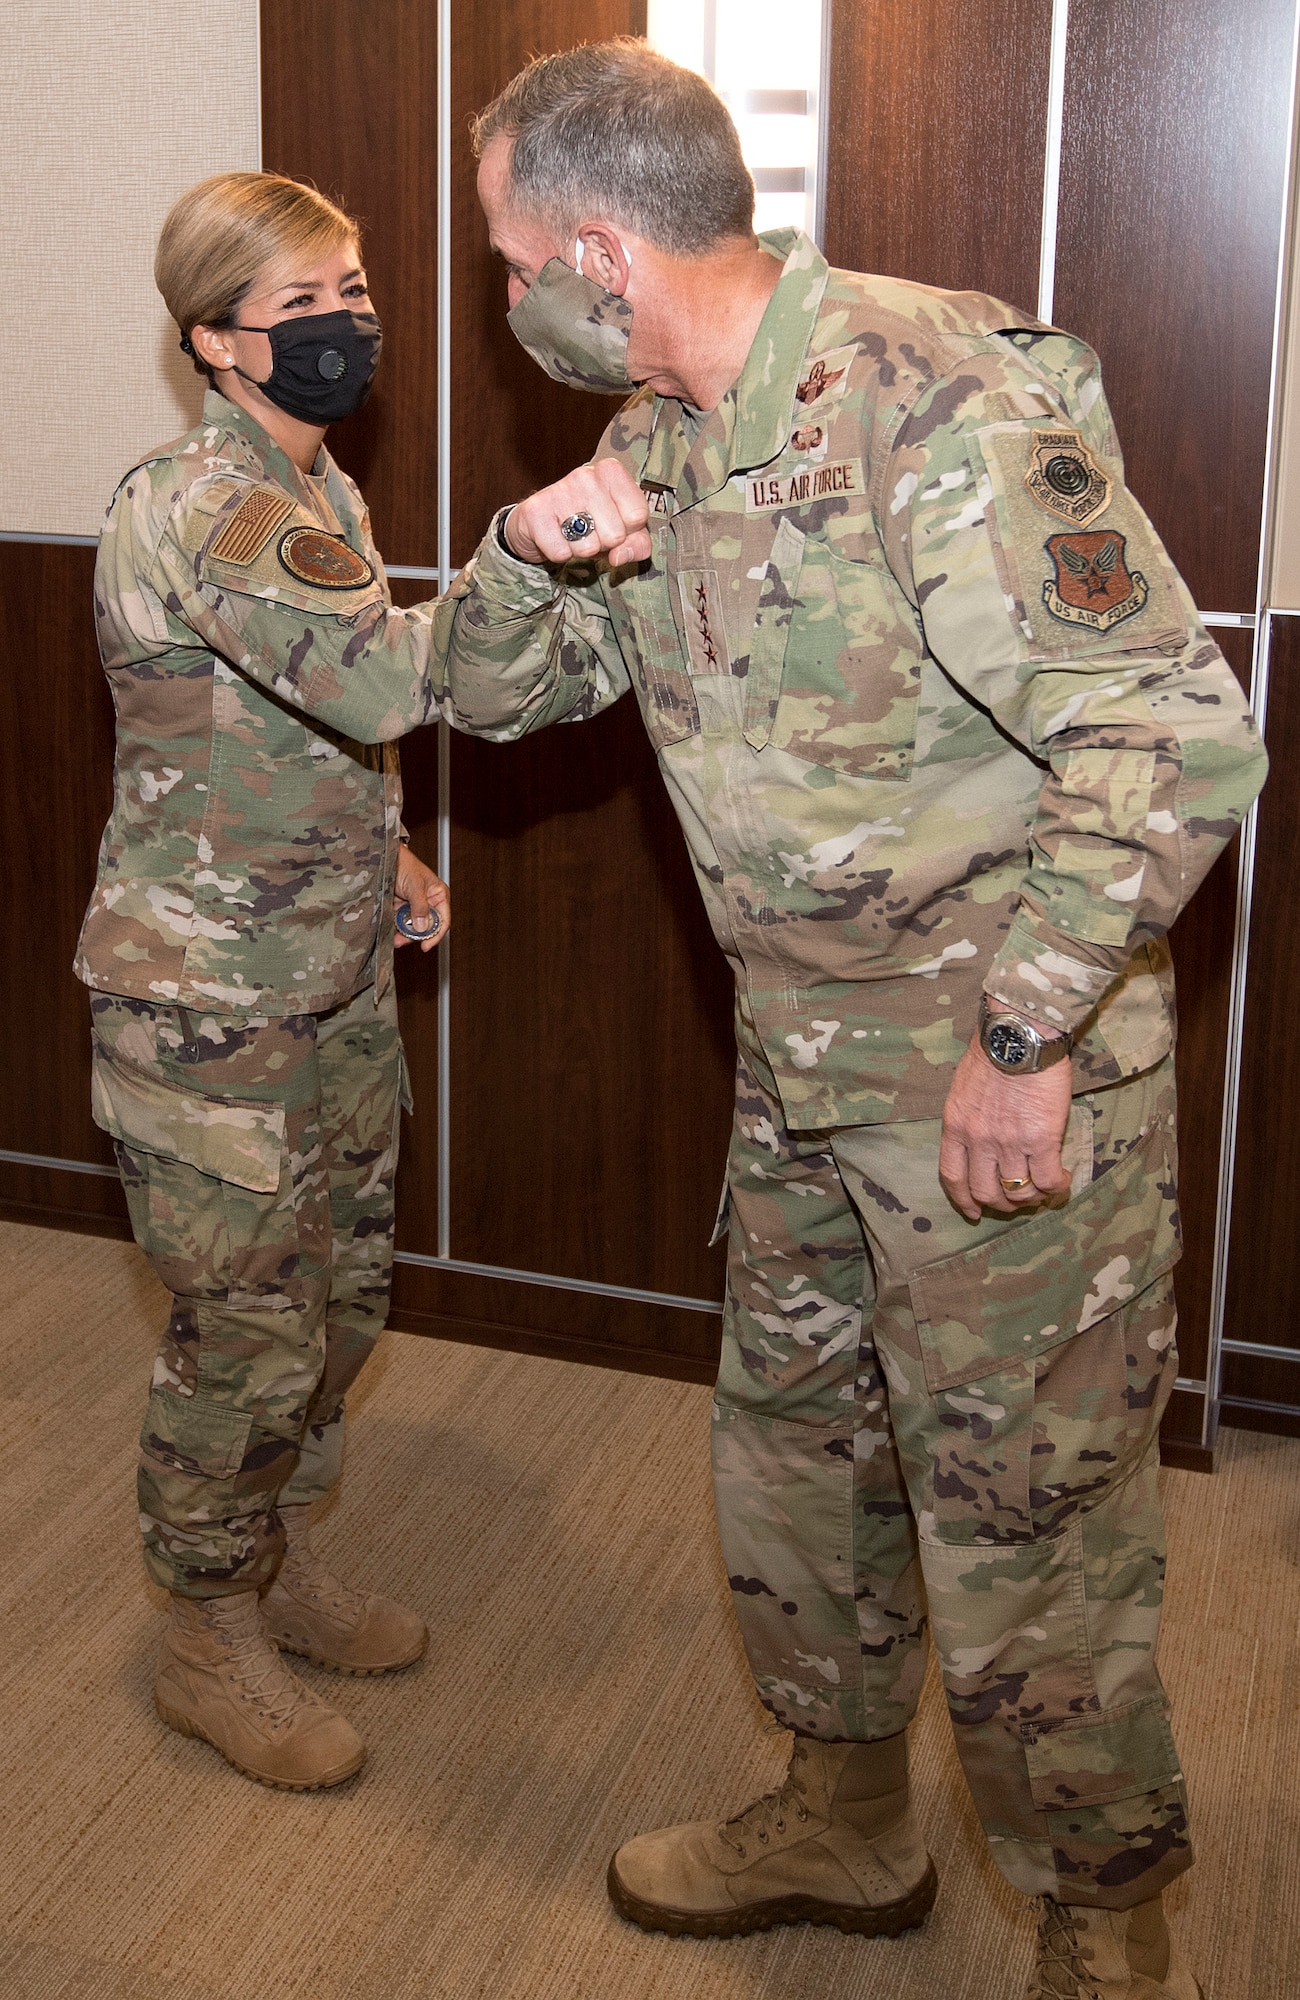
point(231, 1139)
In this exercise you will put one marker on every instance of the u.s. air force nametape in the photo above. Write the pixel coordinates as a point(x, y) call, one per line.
point(767, 493)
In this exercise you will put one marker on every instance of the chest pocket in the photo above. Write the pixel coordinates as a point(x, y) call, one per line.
point(835, 669)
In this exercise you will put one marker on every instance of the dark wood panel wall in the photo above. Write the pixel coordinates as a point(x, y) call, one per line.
point(590, 1013)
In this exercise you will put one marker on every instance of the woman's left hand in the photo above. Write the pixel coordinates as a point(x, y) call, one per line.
point(425, 892)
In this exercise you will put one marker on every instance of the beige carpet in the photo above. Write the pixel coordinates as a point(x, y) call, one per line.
point(584, 1681)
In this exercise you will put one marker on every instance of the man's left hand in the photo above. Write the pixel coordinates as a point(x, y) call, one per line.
point(1000, 1128)
point(425, 892)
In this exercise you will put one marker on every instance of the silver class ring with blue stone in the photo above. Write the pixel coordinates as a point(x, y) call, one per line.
point(577, 527)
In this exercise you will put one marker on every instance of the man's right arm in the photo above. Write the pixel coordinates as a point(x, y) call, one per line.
point(531, 641)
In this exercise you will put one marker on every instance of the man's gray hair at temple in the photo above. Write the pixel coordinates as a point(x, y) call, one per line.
point(616, 130)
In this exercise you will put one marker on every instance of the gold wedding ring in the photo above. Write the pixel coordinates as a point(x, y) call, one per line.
point(1014, 1187)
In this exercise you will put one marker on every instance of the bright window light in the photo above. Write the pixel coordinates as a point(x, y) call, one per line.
point(764, 57)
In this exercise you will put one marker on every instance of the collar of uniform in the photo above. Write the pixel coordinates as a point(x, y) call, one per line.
point(752, 422)
point(261, 447)
point(764, 394)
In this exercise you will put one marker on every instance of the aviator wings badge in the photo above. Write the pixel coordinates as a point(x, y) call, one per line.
point(1066, 479)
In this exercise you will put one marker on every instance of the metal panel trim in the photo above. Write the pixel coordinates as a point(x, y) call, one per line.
point(554, 1283)
point(1052, 158)
point(10, 1159)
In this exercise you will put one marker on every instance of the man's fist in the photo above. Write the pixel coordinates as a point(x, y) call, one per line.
point(606, 494)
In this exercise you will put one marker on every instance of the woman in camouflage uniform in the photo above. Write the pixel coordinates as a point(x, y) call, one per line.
point(239, 948)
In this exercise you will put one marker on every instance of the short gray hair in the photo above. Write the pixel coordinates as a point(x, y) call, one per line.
point(614, 128)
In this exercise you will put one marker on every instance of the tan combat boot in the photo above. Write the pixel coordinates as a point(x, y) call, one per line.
point(311, 1611)
point(220, 1678)
point(837, 1844)
point(1089, 1954)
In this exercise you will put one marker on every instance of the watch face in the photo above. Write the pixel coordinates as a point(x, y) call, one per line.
point(1008, 1045)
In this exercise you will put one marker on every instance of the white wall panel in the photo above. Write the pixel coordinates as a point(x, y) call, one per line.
point(109, 109)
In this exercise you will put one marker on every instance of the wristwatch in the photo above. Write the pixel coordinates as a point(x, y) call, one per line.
point(1015, 1046)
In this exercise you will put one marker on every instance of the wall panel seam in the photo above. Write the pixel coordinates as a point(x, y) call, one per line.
point(1052, 158)
point(1259, 703)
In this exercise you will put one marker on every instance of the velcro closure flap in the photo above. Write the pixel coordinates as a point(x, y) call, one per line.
point(231, 1139)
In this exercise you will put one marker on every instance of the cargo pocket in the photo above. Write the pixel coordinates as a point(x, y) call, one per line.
point(852, 670)
point(229, 1138)
point(1053, 1275)
point(1011, 1462)
point(208, 1184)
point(194, 1437)
point(1093, 1760)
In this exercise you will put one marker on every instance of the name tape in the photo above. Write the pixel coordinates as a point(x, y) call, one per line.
point(803, 487)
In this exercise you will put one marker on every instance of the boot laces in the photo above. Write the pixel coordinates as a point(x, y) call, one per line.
point(769, 1814)
point(254, 1664)
point(1060, 1973)
point(304, 1574)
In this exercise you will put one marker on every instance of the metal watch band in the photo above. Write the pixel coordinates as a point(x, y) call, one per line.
point(1015, 1046)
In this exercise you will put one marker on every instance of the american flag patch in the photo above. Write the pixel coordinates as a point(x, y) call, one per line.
point(252, 525)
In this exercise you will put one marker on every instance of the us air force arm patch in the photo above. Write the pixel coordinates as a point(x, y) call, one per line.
point(325, 560)
point(1103, 582)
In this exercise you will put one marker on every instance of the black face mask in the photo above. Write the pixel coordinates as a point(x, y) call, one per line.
point(321, 367)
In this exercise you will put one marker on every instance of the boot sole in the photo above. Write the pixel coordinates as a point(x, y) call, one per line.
point(185, 1727)
point(882, 1920)
point(342, 1667)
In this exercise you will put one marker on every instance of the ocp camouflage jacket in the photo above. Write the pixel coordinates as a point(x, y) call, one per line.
point(259, 672)
point(934, 707)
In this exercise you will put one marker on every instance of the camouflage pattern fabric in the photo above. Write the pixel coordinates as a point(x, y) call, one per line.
point(935, 709)
point(916, 1411)
point(260, 674)
point(258, 1156)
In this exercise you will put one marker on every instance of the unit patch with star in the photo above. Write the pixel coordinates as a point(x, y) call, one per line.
point(1093, 585)
point(1065, 478)
point(326, 561)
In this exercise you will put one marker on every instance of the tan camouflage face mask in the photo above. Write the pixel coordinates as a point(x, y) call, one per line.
point(574, 329)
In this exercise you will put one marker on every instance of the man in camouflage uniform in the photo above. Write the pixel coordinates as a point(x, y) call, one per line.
point(945, 735)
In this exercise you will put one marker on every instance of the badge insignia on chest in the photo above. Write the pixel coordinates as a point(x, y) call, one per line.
point(1066, 479)
point(325, 561)
point(1093, 585)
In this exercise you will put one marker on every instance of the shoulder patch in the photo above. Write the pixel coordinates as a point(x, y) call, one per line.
point(1093, 585)
point(326, 561)
point(1065, 478)
point(252, 525)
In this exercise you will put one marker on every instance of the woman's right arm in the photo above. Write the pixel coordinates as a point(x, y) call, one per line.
point(538, 645)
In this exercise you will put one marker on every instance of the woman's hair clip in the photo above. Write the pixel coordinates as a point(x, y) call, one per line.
point(187, 345)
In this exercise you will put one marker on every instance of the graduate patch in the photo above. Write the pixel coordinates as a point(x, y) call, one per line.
point(1066, 479)
point(323, 560)
point(1093, 586)
point(251, 526)
point(808, 483)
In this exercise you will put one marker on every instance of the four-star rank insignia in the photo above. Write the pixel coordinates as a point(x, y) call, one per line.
point(323, 560)
point(1093, 585)
point(1065, 478)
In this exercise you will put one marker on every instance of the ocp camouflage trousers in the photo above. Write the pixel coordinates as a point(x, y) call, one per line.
point(258, 1160)
point(916, 1412)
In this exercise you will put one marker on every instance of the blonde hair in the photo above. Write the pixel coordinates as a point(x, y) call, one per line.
point(220, 235)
